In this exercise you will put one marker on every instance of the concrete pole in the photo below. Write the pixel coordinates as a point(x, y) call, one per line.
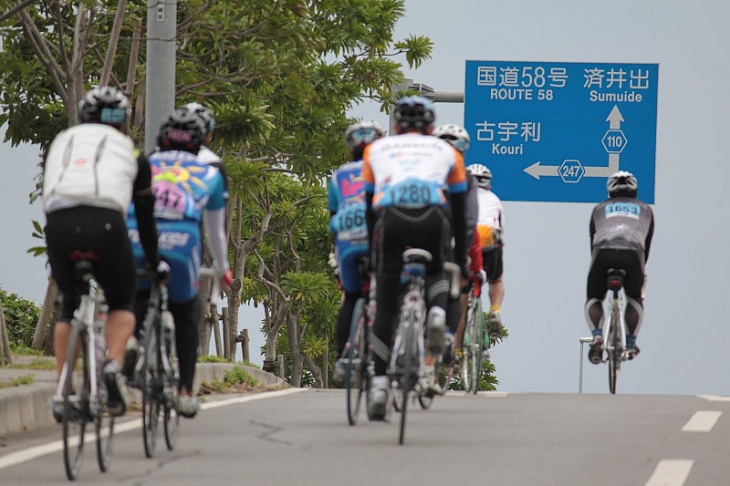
point(436, 95)
point(160, 84)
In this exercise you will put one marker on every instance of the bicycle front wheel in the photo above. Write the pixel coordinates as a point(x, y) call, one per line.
point(473, 349)
point(354, 362)
point(75, 405)
point(104, 439)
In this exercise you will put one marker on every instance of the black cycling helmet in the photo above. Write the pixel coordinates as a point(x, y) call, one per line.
point(414, 113)
point(622, 184)
point(183, 130)
point(105, 105)
point(204, 113)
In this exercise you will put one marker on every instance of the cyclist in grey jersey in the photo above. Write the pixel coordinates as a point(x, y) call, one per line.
point(621, 231)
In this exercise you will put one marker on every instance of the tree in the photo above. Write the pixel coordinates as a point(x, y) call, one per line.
point(280, 77)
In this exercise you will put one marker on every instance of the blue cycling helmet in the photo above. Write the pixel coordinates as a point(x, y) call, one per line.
point(360, 134)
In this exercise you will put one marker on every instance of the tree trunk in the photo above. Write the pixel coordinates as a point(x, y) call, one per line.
point(5, 357)
point(297, 358)
point(42, 335)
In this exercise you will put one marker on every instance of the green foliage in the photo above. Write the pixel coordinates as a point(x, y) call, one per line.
point(21, 316)
point(28, 379)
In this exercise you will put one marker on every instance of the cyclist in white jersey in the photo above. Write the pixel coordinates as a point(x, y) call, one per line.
point(91, 174)
point(404, 180)
point(490, 228)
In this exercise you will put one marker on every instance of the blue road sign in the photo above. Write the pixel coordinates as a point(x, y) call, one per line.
point(553, 131)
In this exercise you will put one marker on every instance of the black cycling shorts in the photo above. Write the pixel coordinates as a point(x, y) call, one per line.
point(632, 261)
point(91, 229)
point(492, 263)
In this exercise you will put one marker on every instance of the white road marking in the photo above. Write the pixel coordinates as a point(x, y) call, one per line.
point(715, 398)
point(31, 453)
point(670, 472)
point(702, 421)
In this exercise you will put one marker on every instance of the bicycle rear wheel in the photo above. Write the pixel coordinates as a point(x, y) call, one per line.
point(75, 406)
point(409, 372)
point(473, 348)
point(151, 391)
point(354, 362)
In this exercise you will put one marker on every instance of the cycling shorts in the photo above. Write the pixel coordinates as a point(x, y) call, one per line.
point(180, 246)
point(492, 262)
point(91, 229)
point(632, 261)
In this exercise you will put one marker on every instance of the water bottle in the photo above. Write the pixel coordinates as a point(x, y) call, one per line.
point(99, 340)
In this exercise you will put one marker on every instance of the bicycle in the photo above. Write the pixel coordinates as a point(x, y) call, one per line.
point(615, 344)
point(157, 370)
point(407, 359)
point(476, 340)
point(358, 351)
point(89, 404)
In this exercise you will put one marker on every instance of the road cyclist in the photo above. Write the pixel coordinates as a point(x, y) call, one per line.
point(404, 178)
point(346, 203)
point(185, 191)
point(621, 230)
point(490, 229)
point(92, 173)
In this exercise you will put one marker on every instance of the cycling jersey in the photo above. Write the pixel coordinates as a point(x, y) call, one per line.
point(346, 202)
point(184, 187)
point(622, 223)
point(491, 218)
point(90, 164)
point(410, 171)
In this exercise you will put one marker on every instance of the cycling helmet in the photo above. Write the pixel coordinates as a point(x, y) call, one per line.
point(183, 130)
point(204, 113)
point(414, 113)
point(105, 105)
point(622, 184)
point(455, 135)
point(359, 135)
point(481, 173)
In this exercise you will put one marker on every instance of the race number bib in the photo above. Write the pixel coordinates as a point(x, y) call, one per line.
point(412, 193)
point(349, 223)
point(170, 200)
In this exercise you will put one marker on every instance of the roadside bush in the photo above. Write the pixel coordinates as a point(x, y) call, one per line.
point(21, 316)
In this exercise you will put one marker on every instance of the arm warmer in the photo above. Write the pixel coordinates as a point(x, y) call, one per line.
point(370, 217)
point(144, 206)
point(214, 221)
point(458, 215)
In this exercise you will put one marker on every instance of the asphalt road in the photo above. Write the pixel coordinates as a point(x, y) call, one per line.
point(301, 437)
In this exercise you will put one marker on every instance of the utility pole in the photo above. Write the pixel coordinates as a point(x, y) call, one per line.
point(160, 84)
point(435, 95)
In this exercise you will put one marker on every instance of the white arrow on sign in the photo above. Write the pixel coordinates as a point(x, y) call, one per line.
point(614, 122)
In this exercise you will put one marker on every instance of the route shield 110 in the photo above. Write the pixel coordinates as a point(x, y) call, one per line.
point(555, 131)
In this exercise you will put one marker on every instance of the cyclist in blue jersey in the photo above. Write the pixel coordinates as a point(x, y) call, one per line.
point(621, 231)
point(185, 190)
point(346, 202)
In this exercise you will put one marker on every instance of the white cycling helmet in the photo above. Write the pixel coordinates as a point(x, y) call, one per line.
point(481, 174)
point(622, 184)
point(457, 136)
point(360, 134)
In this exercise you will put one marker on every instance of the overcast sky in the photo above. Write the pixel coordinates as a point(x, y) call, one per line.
point(685, 338)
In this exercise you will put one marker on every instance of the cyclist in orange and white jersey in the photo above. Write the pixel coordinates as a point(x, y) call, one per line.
point(490, 226)
point(404, 177)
